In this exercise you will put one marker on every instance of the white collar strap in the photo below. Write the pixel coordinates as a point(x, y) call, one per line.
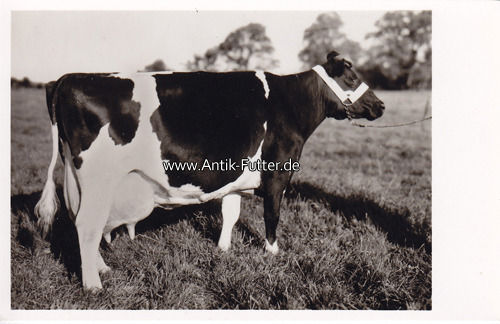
point(348, 97)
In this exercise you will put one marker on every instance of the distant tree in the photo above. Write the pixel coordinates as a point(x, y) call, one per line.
point(322, 37)
point(157, 65)
point(206, 62)
point(24, 83)
point(245, 48)
point(402, 54)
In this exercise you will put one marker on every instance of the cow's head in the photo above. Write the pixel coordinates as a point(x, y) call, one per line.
point(348, 97)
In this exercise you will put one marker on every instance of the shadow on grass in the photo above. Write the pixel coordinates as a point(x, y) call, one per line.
point(395, 223)
point(63, 238)
point(199, 216)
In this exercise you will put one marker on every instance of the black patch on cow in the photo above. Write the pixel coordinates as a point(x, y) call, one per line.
point(86, 102)
point(124, 124)
point(213, 116)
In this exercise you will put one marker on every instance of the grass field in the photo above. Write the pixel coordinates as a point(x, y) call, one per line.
point(355, 229)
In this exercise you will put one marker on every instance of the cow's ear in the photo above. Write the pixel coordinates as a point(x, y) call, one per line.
point(334, 67)
point(331, 56)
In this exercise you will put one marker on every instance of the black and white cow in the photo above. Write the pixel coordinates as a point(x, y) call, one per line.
point(115, 132)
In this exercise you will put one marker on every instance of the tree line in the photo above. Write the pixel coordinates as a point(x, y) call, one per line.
point(25, 83)
point(400, 56)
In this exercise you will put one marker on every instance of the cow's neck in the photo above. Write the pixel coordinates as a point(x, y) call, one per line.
point(305, 101)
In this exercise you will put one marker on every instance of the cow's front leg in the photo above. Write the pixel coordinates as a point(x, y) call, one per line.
point(230, 214)
point(274, 188)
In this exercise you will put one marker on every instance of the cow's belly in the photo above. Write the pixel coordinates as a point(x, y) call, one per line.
point(136, 196)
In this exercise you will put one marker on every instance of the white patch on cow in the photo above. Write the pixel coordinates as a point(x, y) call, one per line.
point(272, 248)
point(262, 77)
point(247, 180)
point(230, 214)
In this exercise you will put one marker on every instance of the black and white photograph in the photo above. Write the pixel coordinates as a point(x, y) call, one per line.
point(223, 159)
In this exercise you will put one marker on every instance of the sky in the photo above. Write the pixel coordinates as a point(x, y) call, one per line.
point(48, 44)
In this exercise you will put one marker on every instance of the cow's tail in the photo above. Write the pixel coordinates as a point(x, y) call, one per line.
point(48, 205)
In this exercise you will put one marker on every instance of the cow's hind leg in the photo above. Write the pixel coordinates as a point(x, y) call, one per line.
point(90, 222)
point(230, 214)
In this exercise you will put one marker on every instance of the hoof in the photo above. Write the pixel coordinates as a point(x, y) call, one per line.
point(224, 246)
point(93, 290)
point(274, 249)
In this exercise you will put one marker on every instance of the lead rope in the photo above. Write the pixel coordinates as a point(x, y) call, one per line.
point(353, 123)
